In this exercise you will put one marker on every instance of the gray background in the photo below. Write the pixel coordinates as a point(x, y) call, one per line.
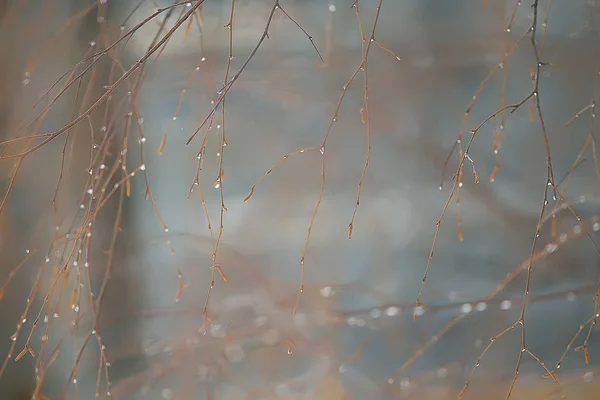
point(282, 102)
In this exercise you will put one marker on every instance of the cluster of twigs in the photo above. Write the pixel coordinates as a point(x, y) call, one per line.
point(105, 94)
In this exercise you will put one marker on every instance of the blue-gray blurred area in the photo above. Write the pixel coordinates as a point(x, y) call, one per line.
point(357, 332)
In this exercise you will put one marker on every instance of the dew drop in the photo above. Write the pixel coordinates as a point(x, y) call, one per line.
point(505, 305)
point(167, 394)
point(234, 353)
point(419, 311)
point(442, 373)
point(217, 330)
point(327, 291)
point(282, 390)
point(392, 311)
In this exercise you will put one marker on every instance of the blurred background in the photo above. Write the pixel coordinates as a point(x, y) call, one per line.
point(137, 263)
